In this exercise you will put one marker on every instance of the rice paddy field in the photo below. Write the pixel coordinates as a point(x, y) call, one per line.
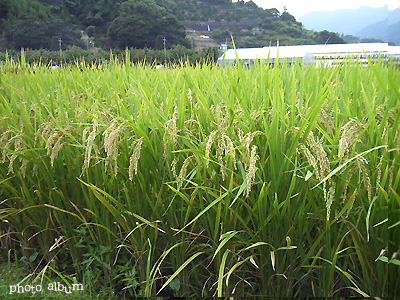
point(203, 181)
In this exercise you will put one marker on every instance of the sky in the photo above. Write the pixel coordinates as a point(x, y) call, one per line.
point(298, 8)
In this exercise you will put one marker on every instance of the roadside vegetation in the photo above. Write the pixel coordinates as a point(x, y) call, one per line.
point(203, 181)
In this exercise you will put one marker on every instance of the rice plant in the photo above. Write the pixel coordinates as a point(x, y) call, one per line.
point(204, 181)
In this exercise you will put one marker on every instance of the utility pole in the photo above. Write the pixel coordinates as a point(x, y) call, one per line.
point(91, 42)
point(165, 50)
point(59, 43)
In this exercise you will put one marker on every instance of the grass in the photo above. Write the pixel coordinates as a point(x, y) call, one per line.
point(202, 181)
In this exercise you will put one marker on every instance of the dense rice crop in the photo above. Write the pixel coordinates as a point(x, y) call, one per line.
point(202, 180)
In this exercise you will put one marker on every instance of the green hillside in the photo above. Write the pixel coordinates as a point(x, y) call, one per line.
point(145, 23)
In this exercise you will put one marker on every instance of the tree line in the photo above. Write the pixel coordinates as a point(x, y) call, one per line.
point(176, 55)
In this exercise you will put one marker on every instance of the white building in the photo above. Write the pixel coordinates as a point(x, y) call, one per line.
point(329, 54)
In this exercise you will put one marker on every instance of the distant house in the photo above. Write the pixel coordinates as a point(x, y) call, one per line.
point(223, 47)
point(329, 54)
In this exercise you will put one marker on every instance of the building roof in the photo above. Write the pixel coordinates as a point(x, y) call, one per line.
point(305, 51)
point(394, 50)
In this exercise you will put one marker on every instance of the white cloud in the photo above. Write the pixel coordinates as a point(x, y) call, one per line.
point(393, 4)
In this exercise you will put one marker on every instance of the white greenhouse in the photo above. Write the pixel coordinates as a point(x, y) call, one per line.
point(329, 54)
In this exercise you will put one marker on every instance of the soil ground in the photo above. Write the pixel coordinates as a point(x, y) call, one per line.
point(200, 42)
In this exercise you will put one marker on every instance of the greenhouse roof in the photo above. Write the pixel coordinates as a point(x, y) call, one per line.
point(300, 51)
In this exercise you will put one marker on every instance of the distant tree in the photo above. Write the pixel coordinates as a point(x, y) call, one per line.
point(371, 40)
point(210, 54)
point(286, 17)
point(159, 42)
point(219, 1)
point(91, 12)
point(23, 9)
point(141, 21)
point(91, 30)
point(169, 5)
point(272, 12)
point(217, 34)
point(74, 7)
point(36, 34)
point(4, 5)
point(350, 38)
point(328, 37)
point(251, 4)
point(51, 2)
point(292, 31)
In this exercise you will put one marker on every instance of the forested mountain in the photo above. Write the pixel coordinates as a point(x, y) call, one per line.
point(382, 31)
point(362, 24)
point(344, 21)
point(250, 25)
point(145, 23)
